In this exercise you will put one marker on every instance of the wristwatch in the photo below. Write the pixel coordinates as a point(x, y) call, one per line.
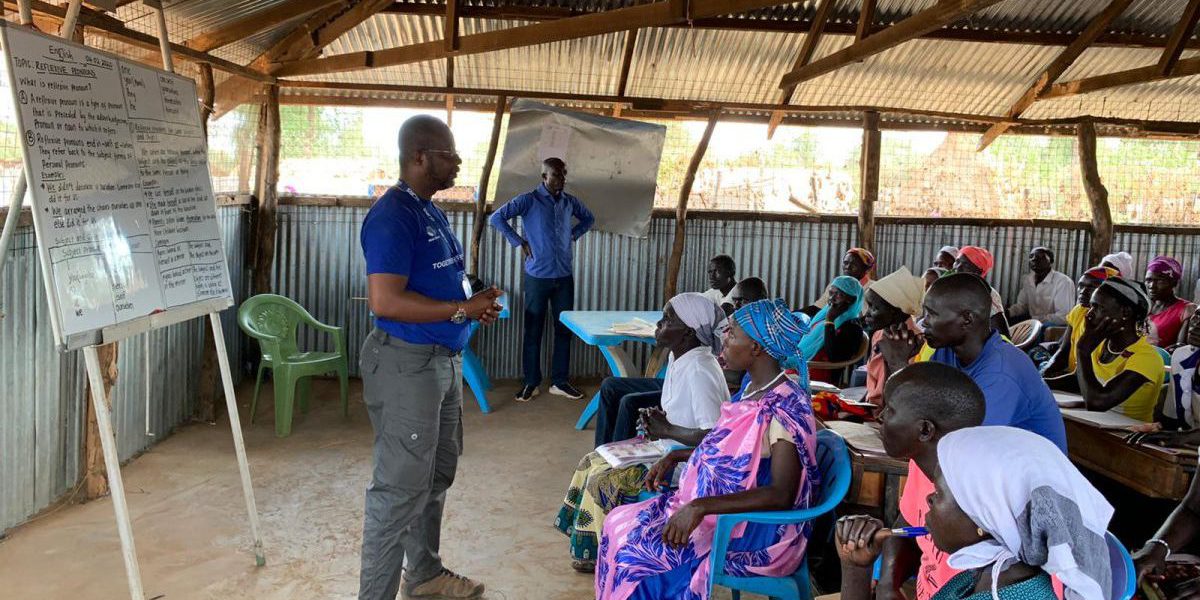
point(460, 315)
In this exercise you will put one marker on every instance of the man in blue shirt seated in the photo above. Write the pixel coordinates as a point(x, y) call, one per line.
point(547, 214)
point(411, 367)
point(957, 325)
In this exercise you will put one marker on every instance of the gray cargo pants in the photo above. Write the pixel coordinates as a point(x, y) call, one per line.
point(413, 395)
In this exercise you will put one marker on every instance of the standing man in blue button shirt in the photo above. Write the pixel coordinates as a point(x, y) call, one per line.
point(411, 368)
point(546, 214)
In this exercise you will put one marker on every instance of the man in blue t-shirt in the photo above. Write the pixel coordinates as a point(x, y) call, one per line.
point(956, 323)
point(552, 220)
point(411, 367)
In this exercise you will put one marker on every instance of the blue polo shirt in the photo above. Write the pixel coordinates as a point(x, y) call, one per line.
point(548, 229)
point(1015, 393)
point(404, 234)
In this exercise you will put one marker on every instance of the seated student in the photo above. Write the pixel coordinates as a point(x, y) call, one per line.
point(836, 333)
point(721, 278)
point(1181, 407)
point(1122, 262)
point(932, 274)
point(924, 402)
point(1118, 369)
point(1063, 361)
point(978, 261)
point(1181, 530)
point(857, 264)
point(1167, 311)
point(945, 258)
point(750, 289)
point(760, 456)
point(1046, 294)
point(957, 328)
point(690, 322)
point(891, 304)
point(1011, 513)
point(692, 395)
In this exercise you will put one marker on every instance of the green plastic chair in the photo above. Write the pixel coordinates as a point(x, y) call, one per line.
point(272, 320)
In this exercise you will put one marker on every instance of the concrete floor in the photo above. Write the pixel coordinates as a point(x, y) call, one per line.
point(191, 529)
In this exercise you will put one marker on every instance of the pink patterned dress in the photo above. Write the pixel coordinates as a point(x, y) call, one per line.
point(635, 563)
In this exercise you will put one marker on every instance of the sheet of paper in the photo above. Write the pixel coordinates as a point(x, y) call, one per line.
point(1068, 400)
point(1104, 420)
point(554, 143)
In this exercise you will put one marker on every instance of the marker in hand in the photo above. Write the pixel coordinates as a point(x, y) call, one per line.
point(908, 532)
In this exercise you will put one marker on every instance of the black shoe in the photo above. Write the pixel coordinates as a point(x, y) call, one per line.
point(526, 393)
point(566, 390)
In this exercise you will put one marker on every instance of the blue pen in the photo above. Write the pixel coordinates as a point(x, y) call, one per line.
point(909, 532)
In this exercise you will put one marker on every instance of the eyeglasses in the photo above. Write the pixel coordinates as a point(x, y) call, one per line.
point(450, 154)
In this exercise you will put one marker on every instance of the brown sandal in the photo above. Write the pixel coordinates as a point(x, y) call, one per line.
point(584, 566)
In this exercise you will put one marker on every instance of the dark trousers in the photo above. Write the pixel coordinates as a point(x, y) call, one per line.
point(559, 294)
point(620, 399)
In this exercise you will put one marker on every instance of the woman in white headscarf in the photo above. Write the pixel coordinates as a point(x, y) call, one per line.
point(1122, 262)
point(892, 304)
point(1012, 511)
point(693, 391)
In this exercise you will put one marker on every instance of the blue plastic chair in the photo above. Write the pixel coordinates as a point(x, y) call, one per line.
point(833, 461)
point(1124, 577)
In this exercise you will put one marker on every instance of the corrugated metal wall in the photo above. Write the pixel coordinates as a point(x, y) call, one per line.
point(42, 399)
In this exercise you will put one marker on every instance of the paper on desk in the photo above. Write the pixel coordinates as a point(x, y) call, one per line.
point(636, 327)
point(1104, 420)
point(1068, 400)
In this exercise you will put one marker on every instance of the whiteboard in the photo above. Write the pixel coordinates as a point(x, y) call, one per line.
point(612, 164)
point(117, 165)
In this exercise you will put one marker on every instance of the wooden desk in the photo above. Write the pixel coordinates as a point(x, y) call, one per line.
point(1149, 470)
point(877, 479)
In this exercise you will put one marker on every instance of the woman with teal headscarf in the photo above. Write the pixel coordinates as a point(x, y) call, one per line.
point(836, 333)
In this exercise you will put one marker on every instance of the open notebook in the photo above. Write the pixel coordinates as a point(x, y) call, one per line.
point(627, 453)
point(635, 327)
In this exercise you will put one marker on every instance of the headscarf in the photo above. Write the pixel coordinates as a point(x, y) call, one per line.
point(901, 289)
point(951, 250)
point(1165, 265)
point(702, 315)
point(778, 330)
point(1101, 273)
point(864, 255)
point(1123, 261)
point(815, 340)
point(980, 257)
point(1038, 509)
point(1131, 291)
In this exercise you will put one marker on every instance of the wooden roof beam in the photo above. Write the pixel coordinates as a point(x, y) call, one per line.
point(256, 22)
point(805, 56)
point(939, 15)
point(1184, 68)
point(626, 64)
point(866, 20)
point(743, 23)
point(305, 41)
point(106, 26)
point(1098, 25)
point(1179, 36)
point(655, 14)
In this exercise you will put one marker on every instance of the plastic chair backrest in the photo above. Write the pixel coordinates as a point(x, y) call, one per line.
point(833, 459)
point(1025, 332)
point(1124, 577)
point(273, 320)
point(1166, 357)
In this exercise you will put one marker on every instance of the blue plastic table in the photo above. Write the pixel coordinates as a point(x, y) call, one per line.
point(594, 327)
point(473, 370)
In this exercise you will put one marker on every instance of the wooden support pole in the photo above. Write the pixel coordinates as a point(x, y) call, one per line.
point(1102, 224)
point(870, 180)
point(95, 478)
point(685, 190)
point(481, 199)
point(206, 401)
point(268, 178)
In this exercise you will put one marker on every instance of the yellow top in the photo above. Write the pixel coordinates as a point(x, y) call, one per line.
point(1140, 358)
point(1077, 320)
